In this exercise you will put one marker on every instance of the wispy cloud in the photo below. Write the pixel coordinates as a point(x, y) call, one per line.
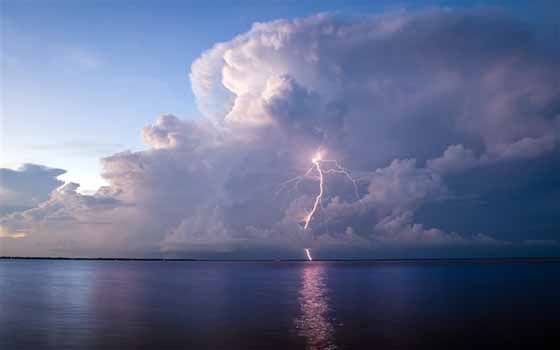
point(75, 147)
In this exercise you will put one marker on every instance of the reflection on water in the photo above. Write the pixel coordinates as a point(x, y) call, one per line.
point(314, 323)
point(139, 305)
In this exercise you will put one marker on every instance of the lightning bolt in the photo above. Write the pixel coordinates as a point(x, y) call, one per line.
point(321, 167)
point(317, 164)
point(340, 170)
point(308, 253)
point(335, 168)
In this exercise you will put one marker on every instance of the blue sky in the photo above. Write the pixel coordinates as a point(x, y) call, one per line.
point(80, 79)
point(446, 113)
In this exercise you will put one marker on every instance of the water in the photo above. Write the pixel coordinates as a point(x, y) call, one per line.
point(283, 305)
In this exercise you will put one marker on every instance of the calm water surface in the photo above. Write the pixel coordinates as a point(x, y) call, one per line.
point(283, 305)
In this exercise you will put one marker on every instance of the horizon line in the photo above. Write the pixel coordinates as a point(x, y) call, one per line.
point(461, 259)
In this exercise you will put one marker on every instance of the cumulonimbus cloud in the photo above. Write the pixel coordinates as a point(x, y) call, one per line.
point(405, 100)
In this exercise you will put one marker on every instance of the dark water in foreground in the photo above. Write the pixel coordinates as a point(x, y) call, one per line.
point(284, 305)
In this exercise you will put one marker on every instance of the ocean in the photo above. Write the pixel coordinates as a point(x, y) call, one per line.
point(67, 304)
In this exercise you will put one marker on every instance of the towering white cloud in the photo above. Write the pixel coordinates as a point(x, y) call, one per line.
point(406, 100)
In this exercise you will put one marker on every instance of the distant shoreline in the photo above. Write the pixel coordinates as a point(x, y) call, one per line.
point(457, 260)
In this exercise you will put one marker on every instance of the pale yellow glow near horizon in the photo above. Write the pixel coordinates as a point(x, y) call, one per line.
point(4, 233)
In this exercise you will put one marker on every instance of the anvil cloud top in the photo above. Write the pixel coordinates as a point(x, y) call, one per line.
point(449, 121)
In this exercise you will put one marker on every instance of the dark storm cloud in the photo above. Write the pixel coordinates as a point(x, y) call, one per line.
point(423, 107)
point(27, 186)
point(515, 201)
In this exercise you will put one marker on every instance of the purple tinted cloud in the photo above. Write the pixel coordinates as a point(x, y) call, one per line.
point(405, 100)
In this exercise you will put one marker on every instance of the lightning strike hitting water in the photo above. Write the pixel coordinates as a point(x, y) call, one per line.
point(332, 167)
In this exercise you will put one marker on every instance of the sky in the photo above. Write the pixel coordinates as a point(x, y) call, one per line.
point(178, 120)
